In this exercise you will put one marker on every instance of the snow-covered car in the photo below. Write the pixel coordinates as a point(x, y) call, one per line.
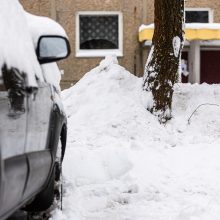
point(33, 124)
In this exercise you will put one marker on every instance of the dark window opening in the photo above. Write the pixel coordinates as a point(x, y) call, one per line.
point(99, 31)
point(197, 16)
point(14, 83)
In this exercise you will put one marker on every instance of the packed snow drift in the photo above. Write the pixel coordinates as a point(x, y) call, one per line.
point(122, 164)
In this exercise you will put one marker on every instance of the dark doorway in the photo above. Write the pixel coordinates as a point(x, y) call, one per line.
point(210, 67)
point(184, 78)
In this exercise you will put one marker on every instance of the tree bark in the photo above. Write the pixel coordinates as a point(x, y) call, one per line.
point(162, 67)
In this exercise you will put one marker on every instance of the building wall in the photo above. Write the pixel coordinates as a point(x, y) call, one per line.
point(64, 11)
point(212, 4)
point(135, 12)
point(39, 7)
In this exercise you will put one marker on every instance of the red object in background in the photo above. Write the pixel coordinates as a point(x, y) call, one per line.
point(210, 67)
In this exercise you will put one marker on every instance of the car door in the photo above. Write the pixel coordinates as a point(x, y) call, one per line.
point(38, 127)
point(13, 121)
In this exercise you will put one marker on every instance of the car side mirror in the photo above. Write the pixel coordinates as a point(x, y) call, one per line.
point(52, 48)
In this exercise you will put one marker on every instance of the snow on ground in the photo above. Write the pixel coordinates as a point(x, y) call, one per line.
point(121, 164)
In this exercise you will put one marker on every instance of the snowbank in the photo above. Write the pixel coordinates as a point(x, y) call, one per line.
point(122, 164)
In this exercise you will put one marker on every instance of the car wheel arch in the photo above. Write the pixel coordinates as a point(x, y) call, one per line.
point(63, 138)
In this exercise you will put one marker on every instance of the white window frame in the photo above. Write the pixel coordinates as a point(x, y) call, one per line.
point(210, 12)
point(100, 52)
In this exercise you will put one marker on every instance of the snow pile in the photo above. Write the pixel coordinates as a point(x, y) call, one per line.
point(121, 163)
point(16, 45)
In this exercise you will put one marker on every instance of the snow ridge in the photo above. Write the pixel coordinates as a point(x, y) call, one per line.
point(122, 164)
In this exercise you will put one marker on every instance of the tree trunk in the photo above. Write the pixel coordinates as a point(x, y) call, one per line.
point(162, 67)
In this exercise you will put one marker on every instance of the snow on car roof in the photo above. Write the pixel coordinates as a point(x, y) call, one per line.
point(39, 26)
point(16, 43)
point(19, 34)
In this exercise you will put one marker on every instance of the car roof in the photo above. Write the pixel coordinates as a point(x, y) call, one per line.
point(19, 34)
point(16, 43)
point(39, 26)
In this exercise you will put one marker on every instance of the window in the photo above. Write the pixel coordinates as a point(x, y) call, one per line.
point(98, 34)
point(201, 15)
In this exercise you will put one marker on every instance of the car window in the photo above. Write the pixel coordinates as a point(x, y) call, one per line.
point(14, 83)
point(16, 44)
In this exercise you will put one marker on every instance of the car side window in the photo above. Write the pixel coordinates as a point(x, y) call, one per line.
point(14, 83)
